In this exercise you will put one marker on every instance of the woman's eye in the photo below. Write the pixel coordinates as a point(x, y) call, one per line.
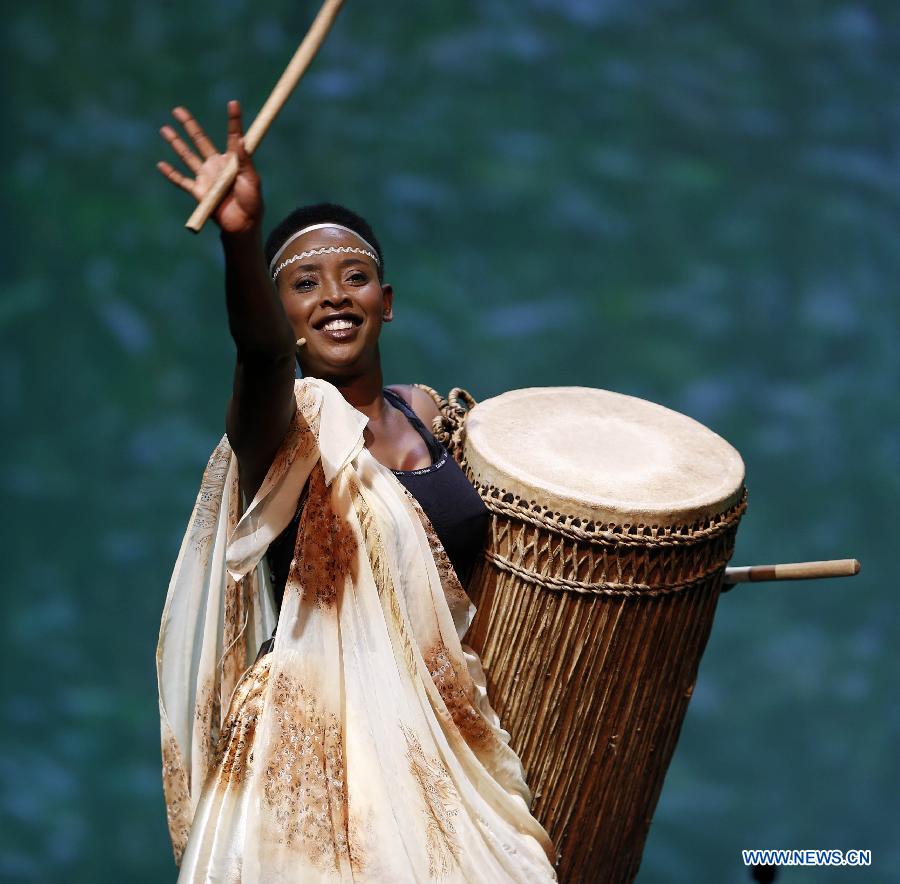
point(358, 278)
point(304, 284)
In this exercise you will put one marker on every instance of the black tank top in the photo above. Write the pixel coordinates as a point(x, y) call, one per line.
point(458, 514)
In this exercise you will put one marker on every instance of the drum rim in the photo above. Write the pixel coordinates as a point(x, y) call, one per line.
point(559, 499)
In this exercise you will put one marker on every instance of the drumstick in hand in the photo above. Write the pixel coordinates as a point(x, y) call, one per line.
point(792, 571)
point(283, 88)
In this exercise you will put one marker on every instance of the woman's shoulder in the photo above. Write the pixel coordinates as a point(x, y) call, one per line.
point(416, 398)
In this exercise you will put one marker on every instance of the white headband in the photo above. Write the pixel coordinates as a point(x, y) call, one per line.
point(368, 250)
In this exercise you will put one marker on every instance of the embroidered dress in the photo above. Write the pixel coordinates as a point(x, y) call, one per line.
point(363, 746)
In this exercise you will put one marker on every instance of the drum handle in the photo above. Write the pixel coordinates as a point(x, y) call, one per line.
point(790, 571)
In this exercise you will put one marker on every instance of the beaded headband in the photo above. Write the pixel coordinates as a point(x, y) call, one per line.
point(369, 249)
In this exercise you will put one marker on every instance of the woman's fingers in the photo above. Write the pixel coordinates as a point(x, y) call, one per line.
point(182, 151)
point(241, 205)
point(236, 133)
point(175, 176)
point(201, 140)
point(235, 126)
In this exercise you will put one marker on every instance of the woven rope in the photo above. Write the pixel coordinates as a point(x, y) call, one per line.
point(607, 588)
point(450, 427)
point(505, 503)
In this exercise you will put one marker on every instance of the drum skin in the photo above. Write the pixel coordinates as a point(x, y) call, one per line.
point(612, 520)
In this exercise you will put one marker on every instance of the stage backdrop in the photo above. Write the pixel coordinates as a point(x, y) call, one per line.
point(694, 203)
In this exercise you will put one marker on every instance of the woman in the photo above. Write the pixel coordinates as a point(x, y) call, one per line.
point(360, 744)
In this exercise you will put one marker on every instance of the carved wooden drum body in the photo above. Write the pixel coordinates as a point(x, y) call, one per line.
point(612, 520)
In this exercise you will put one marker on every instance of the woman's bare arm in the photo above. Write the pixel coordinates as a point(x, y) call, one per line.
point(262, 397)
point(262, 402)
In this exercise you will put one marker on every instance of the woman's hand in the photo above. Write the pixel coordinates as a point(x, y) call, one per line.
point(241, 209)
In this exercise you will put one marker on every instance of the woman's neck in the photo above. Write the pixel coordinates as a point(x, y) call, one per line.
point(363, 392)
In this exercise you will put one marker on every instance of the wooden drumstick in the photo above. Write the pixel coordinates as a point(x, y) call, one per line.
point(283, 88)
point(792, 571)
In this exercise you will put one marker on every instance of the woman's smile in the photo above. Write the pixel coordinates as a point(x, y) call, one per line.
point(339, 327)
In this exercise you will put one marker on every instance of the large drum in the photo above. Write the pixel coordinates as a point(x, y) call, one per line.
point(612, 520)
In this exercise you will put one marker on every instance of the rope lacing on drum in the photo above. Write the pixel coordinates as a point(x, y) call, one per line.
point(450, 428)
point(608, 588)
point(506, 503)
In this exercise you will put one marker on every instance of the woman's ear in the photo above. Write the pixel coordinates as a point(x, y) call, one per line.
point(387, 295)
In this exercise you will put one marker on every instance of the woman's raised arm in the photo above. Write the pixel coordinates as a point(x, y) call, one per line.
point(262, 401)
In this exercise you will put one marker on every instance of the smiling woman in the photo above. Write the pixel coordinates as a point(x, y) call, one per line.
point(358, 743)
point(327, 266)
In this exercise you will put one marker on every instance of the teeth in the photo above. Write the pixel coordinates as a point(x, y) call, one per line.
point(337, 325)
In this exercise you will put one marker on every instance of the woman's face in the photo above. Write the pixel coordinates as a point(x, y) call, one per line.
point(335, 301)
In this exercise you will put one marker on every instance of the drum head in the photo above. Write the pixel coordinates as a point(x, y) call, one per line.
point(602, 456)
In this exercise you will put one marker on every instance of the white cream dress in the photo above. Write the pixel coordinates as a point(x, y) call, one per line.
point(362, 747)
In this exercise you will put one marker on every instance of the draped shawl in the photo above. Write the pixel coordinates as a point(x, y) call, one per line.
point(363, 747)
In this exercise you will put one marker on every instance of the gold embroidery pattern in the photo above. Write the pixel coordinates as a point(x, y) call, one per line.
point(407, 647)
point(301, 436)
point(455, 687)
point(327, 547)
point(387, 593)
point(209, 499)
point(304, 777)
point(234, 752)
point(374, 544)
point(453, 590)
point(178, 800)
point(234, 658)
point(207, 715)
point(299, 441)
point(237, 611)
point(365, 857)
point(441, 803)
point(489, 833)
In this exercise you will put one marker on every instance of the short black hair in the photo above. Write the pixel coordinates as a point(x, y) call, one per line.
point(322, 213)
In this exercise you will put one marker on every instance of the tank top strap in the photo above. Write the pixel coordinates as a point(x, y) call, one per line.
point(435, 447)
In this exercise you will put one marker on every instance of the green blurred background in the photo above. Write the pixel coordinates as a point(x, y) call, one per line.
point(692, 202)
